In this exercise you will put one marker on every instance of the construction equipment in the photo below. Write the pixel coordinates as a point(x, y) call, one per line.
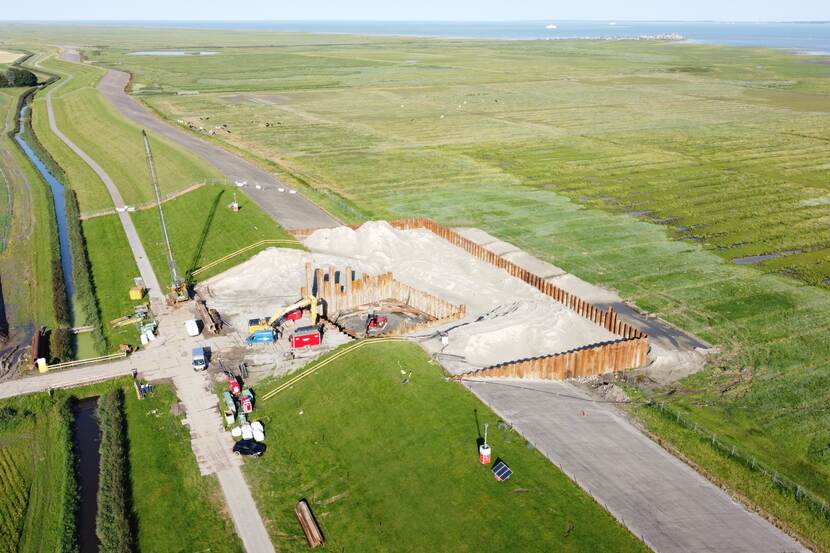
point(178, 288)
point(292, 312)
point(261, 336)
point(375, 323)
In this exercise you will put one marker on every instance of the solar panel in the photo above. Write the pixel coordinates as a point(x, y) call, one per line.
point(501, 471)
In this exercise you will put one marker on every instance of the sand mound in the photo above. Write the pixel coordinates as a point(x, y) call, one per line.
point(421, 259)
point(519, 330)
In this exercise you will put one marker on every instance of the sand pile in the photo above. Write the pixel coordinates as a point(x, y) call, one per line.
point(507, 318)
point(421, 259)
point(519, 330)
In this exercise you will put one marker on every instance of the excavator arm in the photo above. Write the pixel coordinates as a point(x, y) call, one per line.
point(311, 302)
point(301, 304)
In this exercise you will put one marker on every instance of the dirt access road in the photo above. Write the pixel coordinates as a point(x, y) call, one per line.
point(289, 210)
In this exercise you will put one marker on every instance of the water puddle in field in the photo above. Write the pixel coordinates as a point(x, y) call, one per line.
point(87, 437)
point(752, 259)
point(171, 53)
point(57, 199)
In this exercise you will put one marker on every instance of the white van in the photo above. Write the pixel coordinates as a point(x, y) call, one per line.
point(192, 327)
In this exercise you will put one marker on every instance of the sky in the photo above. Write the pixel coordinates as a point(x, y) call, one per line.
point(420, 10)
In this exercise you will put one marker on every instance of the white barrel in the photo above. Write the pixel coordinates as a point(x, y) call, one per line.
point(236, 432)
point(259, 435)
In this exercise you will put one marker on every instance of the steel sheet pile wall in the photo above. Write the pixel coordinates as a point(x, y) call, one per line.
point(342, 291)
point(629, 352)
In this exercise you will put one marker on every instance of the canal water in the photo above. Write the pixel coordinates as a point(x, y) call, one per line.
point(87, 438)
point(58, 200)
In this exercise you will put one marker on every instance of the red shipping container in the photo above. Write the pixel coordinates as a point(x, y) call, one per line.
point(307, 336)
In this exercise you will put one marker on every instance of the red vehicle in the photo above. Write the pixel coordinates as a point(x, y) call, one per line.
point(305, 337)
point(375, 323)
point(233, 386)
point(246, 404)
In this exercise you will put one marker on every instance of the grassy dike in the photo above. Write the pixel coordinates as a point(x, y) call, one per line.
point(203, 229)
point(113, 521)
point(115, 143)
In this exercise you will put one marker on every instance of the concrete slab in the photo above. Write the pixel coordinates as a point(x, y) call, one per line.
point(659, 498)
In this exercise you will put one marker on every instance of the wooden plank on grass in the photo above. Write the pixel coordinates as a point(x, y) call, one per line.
point(312, 531)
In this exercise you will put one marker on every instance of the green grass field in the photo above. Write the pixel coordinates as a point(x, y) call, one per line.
point(687, 136)
point(33, 459)
point(203, 229)
point(387, 466)
point(94, 125)
point(113, 270)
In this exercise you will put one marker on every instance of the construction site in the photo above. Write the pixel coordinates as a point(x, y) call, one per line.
point(473, 311)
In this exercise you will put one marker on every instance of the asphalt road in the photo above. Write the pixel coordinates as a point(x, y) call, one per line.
point(672, 508)
point(292, 211)
point(154, 290)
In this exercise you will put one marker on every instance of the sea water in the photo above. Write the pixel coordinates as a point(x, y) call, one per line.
point(813, 37)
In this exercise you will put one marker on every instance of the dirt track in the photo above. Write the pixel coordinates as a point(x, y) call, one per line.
point(289, 210)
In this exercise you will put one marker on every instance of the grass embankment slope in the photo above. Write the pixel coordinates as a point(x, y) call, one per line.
point(726, 147)
point(84, 116)
point(37, 487)
point(202, 229)
point(30, 232)
point(391, 466)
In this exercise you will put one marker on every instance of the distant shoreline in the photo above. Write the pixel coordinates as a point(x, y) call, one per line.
point(797, 36)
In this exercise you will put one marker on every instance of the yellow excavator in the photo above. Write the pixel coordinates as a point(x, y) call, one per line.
point(286, 313)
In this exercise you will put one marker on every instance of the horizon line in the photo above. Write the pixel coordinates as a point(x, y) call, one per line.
point(523, 20)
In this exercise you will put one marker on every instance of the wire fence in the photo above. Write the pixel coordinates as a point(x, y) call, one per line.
point(812, 501)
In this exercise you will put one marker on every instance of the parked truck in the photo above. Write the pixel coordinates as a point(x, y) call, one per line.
point(200, 359)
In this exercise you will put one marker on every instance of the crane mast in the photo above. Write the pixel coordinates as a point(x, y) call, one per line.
point(178, 288)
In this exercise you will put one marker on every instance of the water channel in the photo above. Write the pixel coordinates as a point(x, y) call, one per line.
point(58, 200)
point(87, 438)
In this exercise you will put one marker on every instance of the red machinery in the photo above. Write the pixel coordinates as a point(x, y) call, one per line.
point(295, 315)
point(233, 386)
point(375, 323)
point(305, 337)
